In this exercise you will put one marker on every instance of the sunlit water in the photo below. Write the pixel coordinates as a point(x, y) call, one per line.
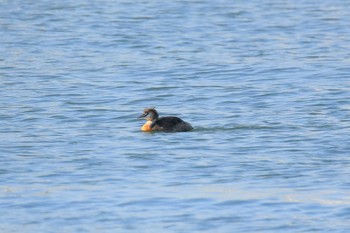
point(266, 84)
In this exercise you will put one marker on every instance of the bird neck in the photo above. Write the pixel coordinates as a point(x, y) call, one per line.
point(153, 116)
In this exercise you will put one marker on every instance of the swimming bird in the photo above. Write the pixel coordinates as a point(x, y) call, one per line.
point(167, 124)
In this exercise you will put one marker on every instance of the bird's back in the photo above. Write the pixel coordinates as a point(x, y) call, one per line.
point(170, 123)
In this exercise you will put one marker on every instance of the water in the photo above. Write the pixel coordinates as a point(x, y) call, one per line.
point(266, 85)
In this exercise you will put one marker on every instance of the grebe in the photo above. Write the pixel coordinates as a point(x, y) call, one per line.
point(168, 124)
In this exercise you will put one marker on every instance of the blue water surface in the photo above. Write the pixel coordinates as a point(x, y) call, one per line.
point(266, 85)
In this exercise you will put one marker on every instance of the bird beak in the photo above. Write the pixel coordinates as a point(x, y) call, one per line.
point(142, 116)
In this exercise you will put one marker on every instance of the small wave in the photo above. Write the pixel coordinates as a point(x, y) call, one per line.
point(232, 128)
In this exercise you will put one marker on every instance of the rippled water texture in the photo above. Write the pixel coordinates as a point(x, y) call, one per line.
point(266, 84)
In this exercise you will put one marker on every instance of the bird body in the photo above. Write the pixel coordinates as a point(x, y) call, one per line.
point(168, 123)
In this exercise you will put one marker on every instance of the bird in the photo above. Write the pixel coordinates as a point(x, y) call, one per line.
point(167, 124)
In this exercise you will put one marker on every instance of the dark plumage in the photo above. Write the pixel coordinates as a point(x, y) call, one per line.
point(167, 123)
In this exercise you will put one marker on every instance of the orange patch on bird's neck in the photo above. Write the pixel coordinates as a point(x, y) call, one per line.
point(147, 126)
